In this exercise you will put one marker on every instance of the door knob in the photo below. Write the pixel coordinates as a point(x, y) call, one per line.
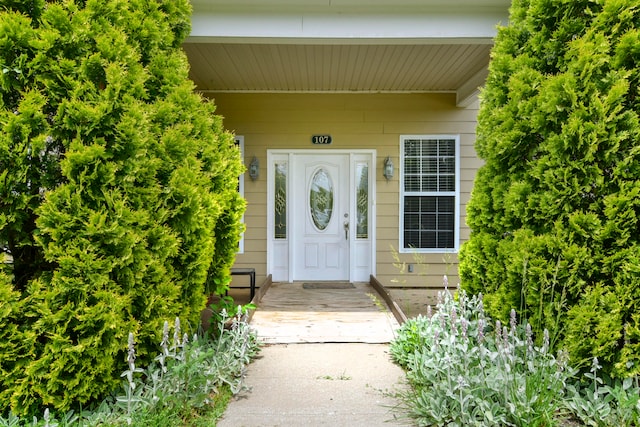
point(346, 230)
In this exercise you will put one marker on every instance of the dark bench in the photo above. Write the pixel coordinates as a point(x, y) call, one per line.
point(251, 272)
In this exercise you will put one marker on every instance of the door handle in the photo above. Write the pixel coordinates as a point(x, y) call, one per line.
point(346, 230)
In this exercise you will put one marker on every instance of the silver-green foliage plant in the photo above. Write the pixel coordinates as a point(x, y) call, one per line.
point(467, 370)
point(603, 403)
point(180, 385)
point(557, 201)
point(189, 373)
point(118, 193)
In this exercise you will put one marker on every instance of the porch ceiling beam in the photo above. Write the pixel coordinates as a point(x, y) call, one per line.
point(469, 91)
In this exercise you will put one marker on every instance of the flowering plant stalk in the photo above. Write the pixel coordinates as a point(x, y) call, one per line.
point(185, 381)
point(465, 372)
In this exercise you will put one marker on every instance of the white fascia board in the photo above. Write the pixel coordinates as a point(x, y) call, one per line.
point(345, 5)
point(230, 26)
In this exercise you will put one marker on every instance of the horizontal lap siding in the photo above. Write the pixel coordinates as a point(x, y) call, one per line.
point(355, 121)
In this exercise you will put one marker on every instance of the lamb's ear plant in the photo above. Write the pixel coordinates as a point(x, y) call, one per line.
point(132, 397)
point(10, 421)
point(465, 369)
point(604, 402)
point(184, 382)
point(226, 309)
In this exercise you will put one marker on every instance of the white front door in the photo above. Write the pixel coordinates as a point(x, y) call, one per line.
point(320, 209)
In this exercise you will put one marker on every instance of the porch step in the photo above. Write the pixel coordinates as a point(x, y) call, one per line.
point(291, 313)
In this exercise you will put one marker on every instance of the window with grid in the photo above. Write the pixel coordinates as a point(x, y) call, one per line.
point(429, 193)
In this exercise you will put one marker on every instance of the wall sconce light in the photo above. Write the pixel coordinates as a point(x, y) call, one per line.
point(388, 168)
point(254, 169)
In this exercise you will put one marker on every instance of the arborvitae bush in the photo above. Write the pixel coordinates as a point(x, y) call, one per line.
point(118, 191)
point(555, 210)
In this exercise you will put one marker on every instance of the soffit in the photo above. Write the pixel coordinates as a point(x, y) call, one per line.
point(335, 68)
point(342, 45)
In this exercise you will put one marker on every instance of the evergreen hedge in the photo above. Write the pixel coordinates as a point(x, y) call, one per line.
point(118, 190)
point(555, 210)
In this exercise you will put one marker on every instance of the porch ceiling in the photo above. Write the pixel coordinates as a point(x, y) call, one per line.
point(343, 46)
point(330, 68)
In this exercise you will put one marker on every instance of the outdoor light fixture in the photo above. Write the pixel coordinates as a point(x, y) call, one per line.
point(254, 169)
point(388, 168)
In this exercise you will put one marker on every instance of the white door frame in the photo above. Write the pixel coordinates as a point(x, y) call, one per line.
point(280, 256)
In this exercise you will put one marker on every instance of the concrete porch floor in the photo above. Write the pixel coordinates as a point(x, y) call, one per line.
point(288, 313)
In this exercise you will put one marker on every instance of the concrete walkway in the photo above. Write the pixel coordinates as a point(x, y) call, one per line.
point(314, 382)
point(319, 385)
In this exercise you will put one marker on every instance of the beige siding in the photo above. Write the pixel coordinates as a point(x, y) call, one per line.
point(355, 121)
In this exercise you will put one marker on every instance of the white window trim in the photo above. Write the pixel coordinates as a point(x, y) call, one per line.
point(456, 194)
point(240, 141)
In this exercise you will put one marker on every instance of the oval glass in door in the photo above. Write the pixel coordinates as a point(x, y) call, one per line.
point(321, 199)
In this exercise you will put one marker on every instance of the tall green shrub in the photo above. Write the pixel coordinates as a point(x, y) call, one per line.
point(555, 210)
point(118, 190)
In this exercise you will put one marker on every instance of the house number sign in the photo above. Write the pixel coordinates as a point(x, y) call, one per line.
point(321, 139)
